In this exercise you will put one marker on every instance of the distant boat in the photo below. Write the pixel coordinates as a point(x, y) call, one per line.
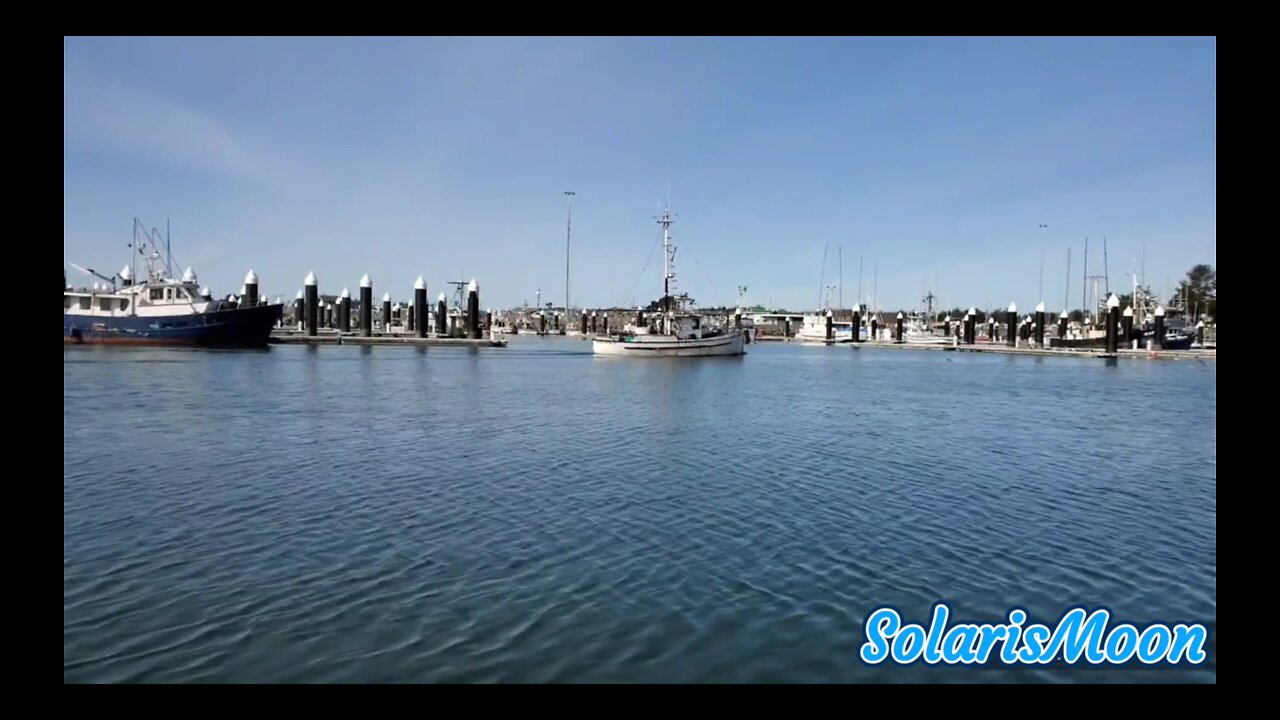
point(674, 331)
point(814, 330)
point(161, 310)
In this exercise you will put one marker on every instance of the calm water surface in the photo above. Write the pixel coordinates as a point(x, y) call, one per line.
point(535, 514)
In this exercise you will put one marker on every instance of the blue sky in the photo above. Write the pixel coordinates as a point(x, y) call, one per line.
point(439, 156)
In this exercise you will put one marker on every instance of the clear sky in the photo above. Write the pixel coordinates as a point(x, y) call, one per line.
point(446, 156)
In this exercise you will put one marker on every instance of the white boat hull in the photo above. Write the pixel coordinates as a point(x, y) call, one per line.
point(930, 340)
point(731, 343)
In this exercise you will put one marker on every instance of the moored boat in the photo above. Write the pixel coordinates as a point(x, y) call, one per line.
point(673, 331)
point(162, 310)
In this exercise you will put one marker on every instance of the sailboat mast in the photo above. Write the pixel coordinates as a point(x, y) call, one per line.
point(841, 256)
point(822, 276)
point(860, 280)
point(568, 233)
point(1084, 280)
point(1066, 288)
point(875, 285)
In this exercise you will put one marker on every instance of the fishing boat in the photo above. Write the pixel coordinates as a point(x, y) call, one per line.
point(673, 330)
point(161, 309)
point(814, 329)
point(917, 330)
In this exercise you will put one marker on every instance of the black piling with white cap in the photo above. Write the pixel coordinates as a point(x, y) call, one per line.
point(1200, 333)
point(442, 317)
point(205, 295)
point(1011, 317)
point(1158, 339)
point(901, 339)
point(831, 329)
point(312, 313)
point(595, 322)
point(366, 306)
point(1062, 325)
point(604, 323)
point(344, 311)
point(993, 331)
point(473, 309)
point(420, 307)
point(1040, 325)
point(946, 326)
point(583, 322)
point(973, 327)
point(875, 329)
point(386, 312)
point(298, 317)
point(542, 323)
point(857, 324)
point(251, 288)
point(1126, 322)
point(1113, 322)
point(488, 322)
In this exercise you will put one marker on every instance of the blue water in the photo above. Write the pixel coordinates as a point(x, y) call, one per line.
point(534, 514)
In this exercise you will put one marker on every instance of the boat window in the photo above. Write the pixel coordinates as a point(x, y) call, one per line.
point(66, 302)
point(104, 304)
point(157, 293)
point(124, 303)
point(168, 293)
point(86, 302)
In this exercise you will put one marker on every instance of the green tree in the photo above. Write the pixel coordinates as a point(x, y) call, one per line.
point(1198, 293)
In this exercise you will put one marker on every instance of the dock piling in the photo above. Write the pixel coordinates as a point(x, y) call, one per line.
point(251, 288)
point(1113, 322)
point(1011, 317)
point(473, 309)
point(366, 306)
point(1126, 324)
point(420, 307)
point(313, 304)
point(1040, 325)
point(1158, 337)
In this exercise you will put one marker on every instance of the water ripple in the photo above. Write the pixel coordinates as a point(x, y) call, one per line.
point(341, 514)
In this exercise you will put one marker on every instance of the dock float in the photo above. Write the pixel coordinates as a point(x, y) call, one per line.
point(293, 338)
point(1046, 352)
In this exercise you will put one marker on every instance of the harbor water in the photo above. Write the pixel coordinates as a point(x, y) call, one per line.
point(537, 514)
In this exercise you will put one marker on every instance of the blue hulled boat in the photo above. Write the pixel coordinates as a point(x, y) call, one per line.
point(163, 311)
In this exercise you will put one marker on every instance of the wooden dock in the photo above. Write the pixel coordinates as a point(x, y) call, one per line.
point(1002, 349)
point(334, 338)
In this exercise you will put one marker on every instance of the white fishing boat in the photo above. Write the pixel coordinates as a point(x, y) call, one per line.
point(918, 331)
point(814, 330)
point(673, 330)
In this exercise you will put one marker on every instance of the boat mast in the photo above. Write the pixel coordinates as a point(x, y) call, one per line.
point(668, 257)
point(822, 277)
point(568, 232)
point(1066, 288)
